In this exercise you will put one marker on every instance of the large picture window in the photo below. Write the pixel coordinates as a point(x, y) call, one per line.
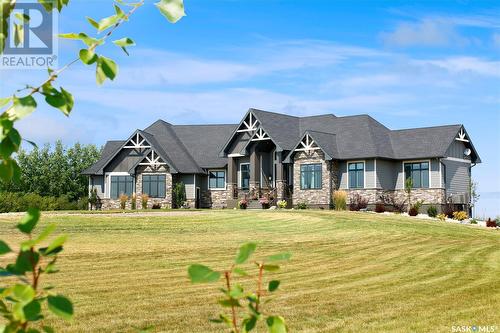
point(245, 176)
point(356, 175)
point(154, 185)
point(217, 180)
point(121, 185)
point(419, 173)
point(310, 176)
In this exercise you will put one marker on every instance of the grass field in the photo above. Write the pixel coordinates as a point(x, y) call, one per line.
point(350, 272)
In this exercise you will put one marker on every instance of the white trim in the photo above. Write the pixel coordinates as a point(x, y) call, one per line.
point(137, 144)
point(107, 182)
point(250, 126)
point(364, 174)
point(416, 161)
point(455, 159)
point(217, 188)
point(240, 173)
point(154, 160)
point(308, 144)
point(235, 155)
point(260, 135)
point(375, 171)
point(440, 173)
point(462, 136)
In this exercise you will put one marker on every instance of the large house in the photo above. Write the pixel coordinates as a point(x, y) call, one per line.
point(282, 157)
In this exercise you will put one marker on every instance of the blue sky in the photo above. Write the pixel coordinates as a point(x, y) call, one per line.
point(407, 64)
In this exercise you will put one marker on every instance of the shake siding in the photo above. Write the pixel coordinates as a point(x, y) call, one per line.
point(457, 177)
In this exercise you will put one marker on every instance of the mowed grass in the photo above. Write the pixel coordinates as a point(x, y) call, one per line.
point(350, 272)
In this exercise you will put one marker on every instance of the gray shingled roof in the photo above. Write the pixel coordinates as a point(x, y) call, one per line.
point(192, 148)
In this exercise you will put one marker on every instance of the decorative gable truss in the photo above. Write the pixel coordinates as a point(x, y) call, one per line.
point(462, 136)
point(260, 135)
point(307, 144)
point(152, 159)
point(137, 142)
point(250, 124)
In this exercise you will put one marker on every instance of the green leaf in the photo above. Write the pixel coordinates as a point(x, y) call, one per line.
point(240, 271)
point(23, 106)
point(7, 169)
point(23, 293)
point(45, 233)
point(55, 245)
point(89, 41)
point(107, 22)
point(18, 34)
point(48, 329)
point(120, 13)
point(60, 306)
point(123, 43)
point(32, 311)
point(93, 22)
point(29, 220)
point(22, 17)
point(271, 268)
point(249, 323)
point(4, 248)
point(202, 274)
point(62, 100)
point(173, 10)
point(279, 257)
point(273, 285)
point(24, 262)
point(276, 324)
point(106, 68)
point(87, 57)
point(245, 252)
point(229, 302)
point(4, 101)
point(237, 291)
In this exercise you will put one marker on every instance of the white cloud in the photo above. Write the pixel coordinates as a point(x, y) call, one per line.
point(428, 32)
point(471, 65)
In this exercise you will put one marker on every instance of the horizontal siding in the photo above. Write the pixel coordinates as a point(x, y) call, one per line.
point(387, 174)
point(369, 174)
point(457, 177)
point(456, 150)
point(98, 182)
point(434, 181)
point(188, 180)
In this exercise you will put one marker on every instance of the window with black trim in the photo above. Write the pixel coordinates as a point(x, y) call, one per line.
point(419, 173)
point(217, 179)
point(310, 177)
point(121, 185)
point(356, 175)
point(154, 185)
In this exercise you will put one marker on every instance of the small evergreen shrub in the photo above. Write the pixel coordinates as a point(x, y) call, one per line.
point(302, 205)
point(473, 221)
point(379, 208)
point(340, 200)
point(432, 211)
point(123, 200)
point(358, 202)
point(179, 194)
point(144, 201)
point(460, 215)
point(282, 204)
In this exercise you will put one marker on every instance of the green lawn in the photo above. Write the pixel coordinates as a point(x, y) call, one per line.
point(350, 272)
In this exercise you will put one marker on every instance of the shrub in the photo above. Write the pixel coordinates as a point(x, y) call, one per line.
point(473, 221)
point(302, 205)
point(498, 221)
point(156, 205)
point(282, 204)
point(144, 201)
point(18, 202)
point(432, 211)
point(379, 208)
point(340, 200)
point(123, 200)
point(391, 200)
point(264, 202)
point(243, 204)
point(133, 203)
point(442, 216)
point(448, 210)
point(491, 223)
point(460, 215)
point(93, 198)
point(179, 194)
point(358, 202)
point(413, 211)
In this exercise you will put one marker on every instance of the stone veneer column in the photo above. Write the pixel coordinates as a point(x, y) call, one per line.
point(320, 197)
point(232, 177)
point(280, 181)
point(254, 172)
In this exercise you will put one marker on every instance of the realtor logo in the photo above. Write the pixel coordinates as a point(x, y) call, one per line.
point(31, 39)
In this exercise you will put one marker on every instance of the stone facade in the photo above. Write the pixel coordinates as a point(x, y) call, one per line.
point(166, 202)
point(215, 198)
point(313, 198)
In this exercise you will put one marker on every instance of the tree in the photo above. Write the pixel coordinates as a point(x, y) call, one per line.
point(21, 302)
point(474, 195)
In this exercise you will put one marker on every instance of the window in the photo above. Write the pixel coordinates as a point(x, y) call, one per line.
point(154, 185)
point(245, 176)
point(419, 173)
point(310, 176)
point(356, 175)
point(217, 179)
point(121, 185)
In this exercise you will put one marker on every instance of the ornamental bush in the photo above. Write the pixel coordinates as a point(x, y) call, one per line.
point(243, 204)
point(340, 200)
point(357, 202)
point(432, 211)
point(460, 215)
point(123, 200)
point(282, 204)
